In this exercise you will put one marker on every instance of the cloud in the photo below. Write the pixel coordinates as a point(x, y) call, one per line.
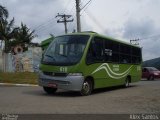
point(34, 13)
point(115, 33)
point(134, 28)
point(123, 19)
point(144, 29)
point(38, 15)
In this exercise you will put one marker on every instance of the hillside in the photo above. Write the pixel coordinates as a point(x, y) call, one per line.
point(152, 63)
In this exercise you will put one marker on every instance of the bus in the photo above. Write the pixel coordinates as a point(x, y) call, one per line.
point(86, 61)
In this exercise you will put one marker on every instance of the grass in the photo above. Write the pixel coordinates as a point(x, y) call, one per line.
point(19, 78)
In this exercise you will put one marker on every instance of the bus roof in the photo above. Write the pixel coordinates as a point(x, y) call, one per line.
point(92, 33)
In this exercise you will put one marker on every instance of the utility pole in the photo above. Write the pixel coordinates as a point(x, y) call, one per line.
point(78, 10)
point(134, 41)
point(64, 20)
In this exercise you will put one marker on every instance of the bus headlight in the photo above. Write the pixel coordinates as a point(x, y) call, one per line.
point(75, 74)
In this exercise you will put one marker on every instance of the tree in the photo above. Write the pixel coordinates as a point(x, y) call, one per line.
point(7, 32)
point(7, 29)
point(13, 36)
point(3, 12)
point(3, 15)
point(22, 36)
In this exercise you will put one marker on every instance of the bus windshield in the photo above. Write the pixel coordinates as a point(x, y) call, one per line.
point(65, 50)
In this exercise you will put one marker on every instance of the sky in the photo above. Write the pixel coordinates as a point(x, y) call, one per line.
point(120, 19)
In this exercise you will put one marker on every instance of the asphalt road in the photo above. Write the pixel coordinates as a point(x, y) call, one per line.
point(141, 97)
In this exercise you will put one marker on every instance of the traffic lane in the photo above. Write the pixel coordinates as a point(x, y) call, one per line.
point(142, 97)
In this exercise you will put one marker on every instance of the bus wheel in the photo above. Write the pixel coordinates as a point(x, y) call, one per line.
point(50, 90)
point(87, 88)
point(127, 81)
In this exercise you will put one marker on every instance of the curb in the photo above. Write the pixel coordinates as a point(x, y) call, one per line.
point(22, 85)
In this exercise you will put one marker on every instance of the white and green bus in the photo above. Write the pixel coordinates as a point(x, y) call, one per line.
point(86, 61)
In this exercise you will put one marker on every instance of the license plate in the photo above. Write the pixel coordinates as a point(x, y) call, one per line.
point(53, 85)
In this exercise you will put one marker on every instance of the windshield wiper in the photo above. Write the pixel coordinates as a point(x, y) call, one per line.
point(50, 57)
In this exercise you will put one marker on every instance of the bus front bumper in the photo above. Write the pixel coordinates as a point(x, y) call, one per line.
point(73, 83)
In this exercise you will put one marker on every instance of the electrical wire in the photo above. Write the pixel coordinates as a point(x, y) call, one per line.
point(40, 29)
point(46, 22)
point(91, 16)
point(43, 28)
point(46, 29)
point(86, 4)
point(66, 6)
point(85, 9)
point(153, 36)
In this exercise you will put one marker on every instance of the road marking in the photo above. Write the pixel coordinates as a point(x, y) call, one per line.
point(23, 85)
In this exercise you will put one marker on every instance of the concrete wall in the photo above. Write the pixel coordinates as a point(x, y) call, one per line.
point(1, 64)
point(22, 62)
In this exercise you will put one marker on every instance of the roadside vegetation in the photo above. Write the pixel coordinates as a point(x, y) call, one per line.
point(19, 78)
point(12, 35)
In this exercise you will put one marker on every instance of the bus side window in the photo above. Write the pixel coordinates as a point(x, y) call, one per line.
point(113, 48)
point(136, 55)
point(95, 51)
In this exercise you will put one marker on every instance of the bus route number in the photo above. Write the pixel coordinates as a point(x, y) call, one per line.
point(63, 69)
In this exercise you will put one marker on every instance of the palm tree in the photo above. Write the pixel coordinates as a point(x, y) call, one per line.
point(7, 32)
point(6, 28)
point(22, 36)
point(3, 12)
point(13, 36)
point(26, 34)
point(3, 15)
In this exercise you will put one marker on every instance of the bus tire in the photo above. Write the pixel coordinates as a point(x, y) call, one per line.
point(49, 90)
point(87, 87)
point(127, 82)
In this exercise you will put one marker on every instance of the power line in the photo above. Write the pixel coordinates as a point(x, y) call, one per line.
point(94, 20)
point(48, 31)
point(153, 36)
point(134, 42)
point(65, 20)
point(42, 27)
point(66, 6)
point(46, 26)
point(72, 10)
point(86, 4)
point(43, 30)
point(72, 26)
point(48, 22)
point(42, 24)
